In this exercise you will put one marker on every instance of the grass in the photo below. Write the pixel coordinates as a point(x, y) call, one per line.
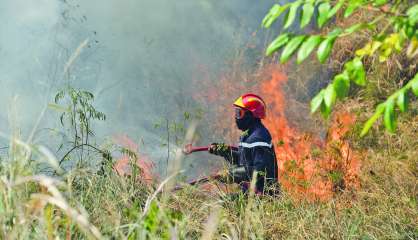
point(83, 204)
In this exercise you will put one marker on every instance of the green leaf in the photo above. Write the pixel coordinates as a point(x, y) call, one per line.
point(325, 110)
point(307, 12)
point(291, 48)
point(412, 10)
point(352, 6)
point(335, 9)
point(325, 48)
point(356, 71)
point(273, 14)
point(378, 3)
point(330, 96)
point(323, 11)
point(389, 118)
point(269, 18)
point(414, 85)
point(360, 73)
point(413, 14)
point(402, 101)
point(379, 111)
point(291, 15)
point(342, 85)
point(316, 101)
point(307, 47)
point(280, 41)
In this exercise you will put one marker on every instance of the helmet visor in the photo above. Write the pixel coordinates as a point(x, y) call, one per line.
point(239, 113)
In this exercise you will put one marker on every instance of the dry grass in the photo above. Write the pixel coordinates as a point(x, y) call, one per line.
point(84, 204)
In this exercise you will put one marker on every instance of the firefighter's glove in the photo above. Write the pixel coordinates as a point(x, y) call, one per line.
point(219, 149)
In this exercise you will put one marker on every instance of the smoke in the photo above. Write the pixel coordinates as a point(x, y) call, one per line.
point(140, 59)
point(24, 47)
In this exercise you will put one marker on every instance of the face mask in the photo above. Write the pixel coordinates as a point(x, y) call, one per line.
point(245, 122)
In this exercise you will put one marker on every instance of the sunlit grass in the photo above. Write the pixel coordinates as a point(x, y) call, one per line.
point(84, 204)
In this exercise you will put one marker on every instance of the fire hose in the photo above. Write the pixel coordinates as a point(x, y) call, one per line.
point(189, 149)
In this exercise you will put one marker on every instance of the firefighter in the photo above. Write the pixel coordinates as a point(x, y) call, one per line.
point(255, 150)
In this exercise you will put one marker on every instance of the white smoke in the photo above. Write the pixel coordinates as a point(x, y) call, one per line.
point(139, 61)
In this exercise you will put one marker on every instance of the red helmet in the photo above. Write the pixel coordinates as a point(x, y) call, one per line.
point(252, 103)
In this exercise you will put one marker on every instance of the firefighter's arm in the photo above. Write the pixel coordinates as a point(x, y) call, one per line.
point(220, 149)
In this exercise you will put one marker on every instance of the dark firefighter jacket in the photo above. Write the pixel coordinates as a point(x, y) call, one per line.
point(256, 152)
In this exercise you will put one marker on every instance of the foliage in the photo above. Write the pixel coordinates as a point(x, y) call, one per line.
point(394, 29)
point(77, 114)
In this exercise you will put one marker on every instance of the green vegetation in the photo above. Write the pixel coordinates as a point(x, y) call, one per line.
point(76, 115)
point(84, 204)
point(392, 28)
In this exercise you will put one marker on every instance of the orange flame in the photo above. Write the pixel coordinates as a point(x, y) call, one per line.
point(308, 166)
point(123, 164)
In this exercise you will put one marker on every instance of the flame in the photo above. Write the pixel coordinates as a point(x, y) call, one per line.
point(309, 168)
point(132, 155)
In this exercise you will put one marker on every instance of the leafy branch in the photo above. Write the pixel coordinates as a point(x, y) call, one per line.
point(399, 20)
point(77, 113)
point(400, 99)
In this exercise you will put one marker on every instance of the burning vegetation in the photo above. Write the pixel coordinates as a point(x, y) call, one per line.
point(132, 163)
point(309, 166)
